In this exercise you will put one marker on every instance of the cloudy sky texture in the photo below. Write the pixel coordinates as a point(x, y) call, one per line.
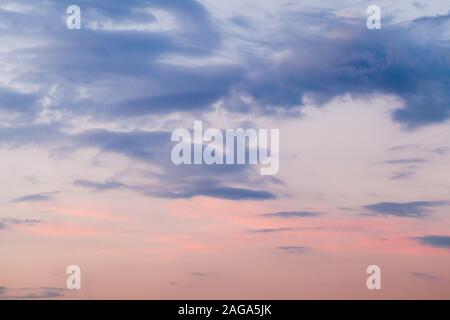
point(85, 123)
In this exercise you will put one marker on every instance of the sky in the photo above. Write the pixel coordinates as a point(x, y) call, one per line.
point(86, 118)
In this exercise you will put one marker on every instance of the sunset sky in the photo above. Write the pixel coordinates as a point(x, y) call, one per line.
point(86, 118)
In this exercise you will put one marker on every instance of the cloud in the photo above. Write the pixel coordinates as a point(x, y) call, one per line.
point(293, 214)
point(138, 144)
point(440, 150)
point(271, 230)
point(294, 249)
point(107, 52)
point(43, 294)
point(398, 60)
point(81, 75)
point(408, 60)
point(415, 209)
point(228, 193)
point(24, 135)
point(404, 147)
point(5, 222)
point(402, 175)
point(405, 161)
point(168, 103)
point(31, 293)
point(170, 181)
point(200, 274)
point(207, 188)
point(89, 68)
point(437, 241)
point(425, 276)
point(419, 4)
point(16, 102)
point(110, 185)
point(35, 197)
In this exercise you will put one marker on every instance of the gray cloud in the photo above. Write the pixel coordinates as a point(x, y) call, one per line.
point(228, 193)
point(409, 60)
point(414, 209)
point(404, 147)
point(16, 102)
point(361, 63)
point(207, 188)
point(405, 161)
point(437, 241)
point(31, 293)
point(140, 145)
point(105, 59)
point(35, 197)
point(196, 189)
point(168, 103)
point(5, 222)
point(294, 249)
point(22, 134)
point(200, 274)
point(271, 230)
point(98, 62)
point(293, 214)
point(425, 276)
point(402, 175)
point(172, 181)
point(110, 185)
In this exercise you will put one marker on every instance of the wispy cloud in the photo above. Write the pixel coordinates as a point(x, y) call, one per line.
point(425, 276)
point(414, 209)
point(406, 161)
point(200, 274)
point(172, 182)
point(437, 241)
point(271, 230)
point(228, 193)
point(31, 293)
point(294, 249)
point(402, 175)
point(293, 214)
point(6, 222)
point(38, 197)
point(98, 186)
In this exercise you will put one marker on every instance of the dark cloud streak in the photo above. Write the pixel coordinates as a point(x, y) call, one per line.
point(437, 241)
point(293, 214)
point(414, 209)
